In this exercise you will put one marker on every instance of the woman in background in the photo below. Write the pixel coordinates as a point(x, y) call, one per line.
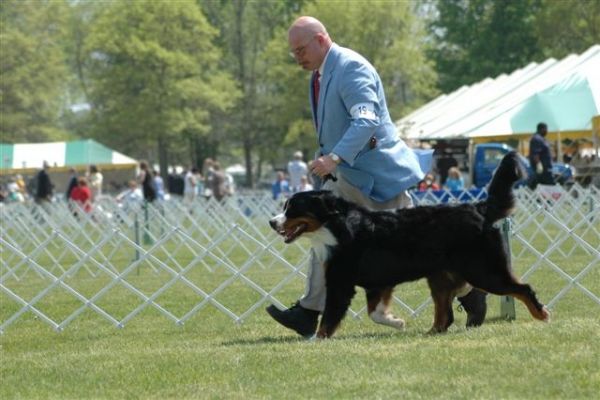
point(455, 180)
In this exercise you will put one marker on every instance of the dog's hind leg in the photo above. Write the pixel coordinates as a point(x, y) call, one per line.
point(526, 294)
point(505, 284)
point(378, 307)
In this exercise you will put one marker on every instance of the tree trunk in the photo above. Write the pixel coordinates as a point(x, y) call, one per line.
point(163, 157)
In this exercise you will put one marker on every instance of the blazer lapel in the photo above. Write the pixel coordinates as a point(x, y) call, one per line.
point(325, 80)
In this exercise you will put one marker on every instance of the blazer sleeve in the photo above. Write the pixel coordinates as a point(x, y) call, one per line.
point(359, 85)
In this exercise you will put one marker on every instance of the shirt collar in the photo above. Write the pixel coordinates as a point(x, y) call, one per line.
point(322, 66)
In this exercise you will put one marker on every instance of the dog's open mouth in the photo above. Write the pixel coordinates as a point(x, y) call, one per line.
point(289, 235)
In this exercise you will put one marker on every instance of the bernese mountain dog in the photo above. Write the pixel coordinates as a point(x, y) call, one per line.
point(452, 246)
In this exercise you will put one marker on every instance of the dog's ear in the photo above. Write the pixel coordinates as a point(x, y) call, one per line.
point(330, 203)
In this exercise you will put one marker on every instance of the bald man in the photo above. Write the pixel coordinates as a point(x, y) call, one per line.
point(358, 145)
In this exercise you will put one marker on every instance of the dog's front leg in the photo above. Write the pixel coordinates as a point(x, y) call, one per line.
point(336, 304)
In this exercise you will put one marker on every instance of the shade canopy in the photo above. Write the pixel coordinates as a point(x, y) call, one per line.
point(565, 94)
point(60, 154)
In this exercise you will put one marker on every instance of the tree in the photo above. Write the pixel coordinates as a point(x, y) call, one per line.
point(565, 27)
point(154, 76)
point(246, 28)
point(33, 72)
point(480, 38)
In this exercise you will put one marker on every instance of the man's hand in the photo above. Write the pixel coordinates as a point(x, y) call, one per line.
point(322, 166)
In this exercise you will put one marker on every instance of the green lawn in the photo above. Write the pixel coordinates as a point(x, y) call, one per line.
point(211, 357)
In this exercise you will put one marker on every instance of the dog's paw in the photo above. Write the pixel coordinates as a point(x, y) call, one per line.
point(397, 323)
point(545, 314)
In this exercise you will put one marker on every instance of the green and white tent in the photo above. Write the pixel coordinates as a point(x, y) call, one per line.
point(563, 93)
point(80, 153)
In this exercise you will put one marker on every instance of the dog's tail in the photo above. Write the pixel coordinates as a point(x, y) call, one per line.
point(501, 200)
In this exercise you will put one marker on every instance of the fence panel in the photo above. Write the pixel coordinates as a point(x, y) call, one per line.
point(179, 258)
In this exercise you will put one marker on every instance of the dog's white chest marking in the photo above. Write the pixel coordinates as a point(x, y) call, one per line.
point(321, 239)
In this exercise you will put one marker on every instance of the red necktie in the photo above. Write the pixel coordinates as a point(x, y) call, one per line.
point(316, 87)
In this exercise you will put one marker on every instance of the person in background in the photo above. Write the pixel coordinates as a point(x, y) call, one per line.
point(540, 158)
point(296, 169)
point(72, 183)
point(444, 164)
point(428, 183)
point(305, 186)
point(44, 187)
point(96, 180)
point(145, 180)
point(455, 180)
point(159, 185)
point(14, 193)
point(131, 196)
point(218, 182)
point(208, 172)
point(189, 185)
point(280, 188)
point(82, 195)
point(21, 184)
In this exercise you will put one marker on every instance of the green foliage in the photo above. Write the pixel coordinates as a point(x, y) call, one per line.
point(390, 36)
point(476, 39)
point(481, 38)
point(564, 27)
point(154, 74)
point(33, 74)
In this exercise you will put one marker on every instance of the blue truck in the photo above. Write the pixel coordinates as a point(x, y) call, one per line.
point(487, 156)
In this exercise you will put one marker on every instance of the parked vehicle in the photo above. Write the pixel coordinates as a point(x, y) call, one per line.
point(487, 156)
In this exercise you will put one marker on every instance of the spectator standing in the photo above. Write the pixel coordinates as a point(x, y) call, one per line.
point(296, 169)
point(82, 195)
point(281, 187)
point(72, 183)
point(44, 187)
point(305, 185)
point(218, 182)
point(159, 185)
point(176, 183)
point(189, 185)
point(444, 164)
point(145, 180)
point(21, 184)
point(455, 180)
point(540, 158)
point(208, 173)
point(96, 180)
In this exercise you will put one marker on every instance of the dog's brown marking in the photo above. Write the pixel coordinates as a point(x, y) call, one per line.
point(542, 314)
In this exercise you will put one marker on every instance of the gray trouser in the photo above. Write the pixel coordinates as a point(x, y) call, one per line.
point(315, 293)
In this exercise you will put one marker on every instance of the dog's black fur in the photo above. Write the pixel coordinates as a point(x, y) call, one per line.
point(447, 245)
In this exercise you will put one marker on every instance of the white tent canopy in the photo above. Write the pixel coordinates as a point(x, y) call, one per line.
point(565, 94)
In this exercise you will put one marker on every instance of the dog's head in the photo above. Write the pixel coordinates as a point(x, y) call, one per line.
point(304, 212)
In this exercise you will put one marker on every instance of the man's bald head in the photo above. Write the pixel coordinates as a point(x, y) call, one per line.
point(309, 42)
point(307, 27)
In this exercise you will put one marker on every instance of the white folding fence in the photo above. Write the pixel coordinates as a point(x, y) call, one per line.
point(179, 258)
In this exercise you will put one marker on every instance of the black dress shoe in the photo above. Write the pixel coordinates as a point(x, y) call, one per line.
point(297, 318)
point(476, 307)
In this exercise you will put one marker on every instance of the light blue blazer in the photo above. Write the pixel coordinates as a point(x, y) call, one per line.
point(380, 172)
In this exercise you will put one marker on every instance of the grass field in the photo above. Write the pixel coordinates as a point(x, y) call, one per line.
point(210, 357)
